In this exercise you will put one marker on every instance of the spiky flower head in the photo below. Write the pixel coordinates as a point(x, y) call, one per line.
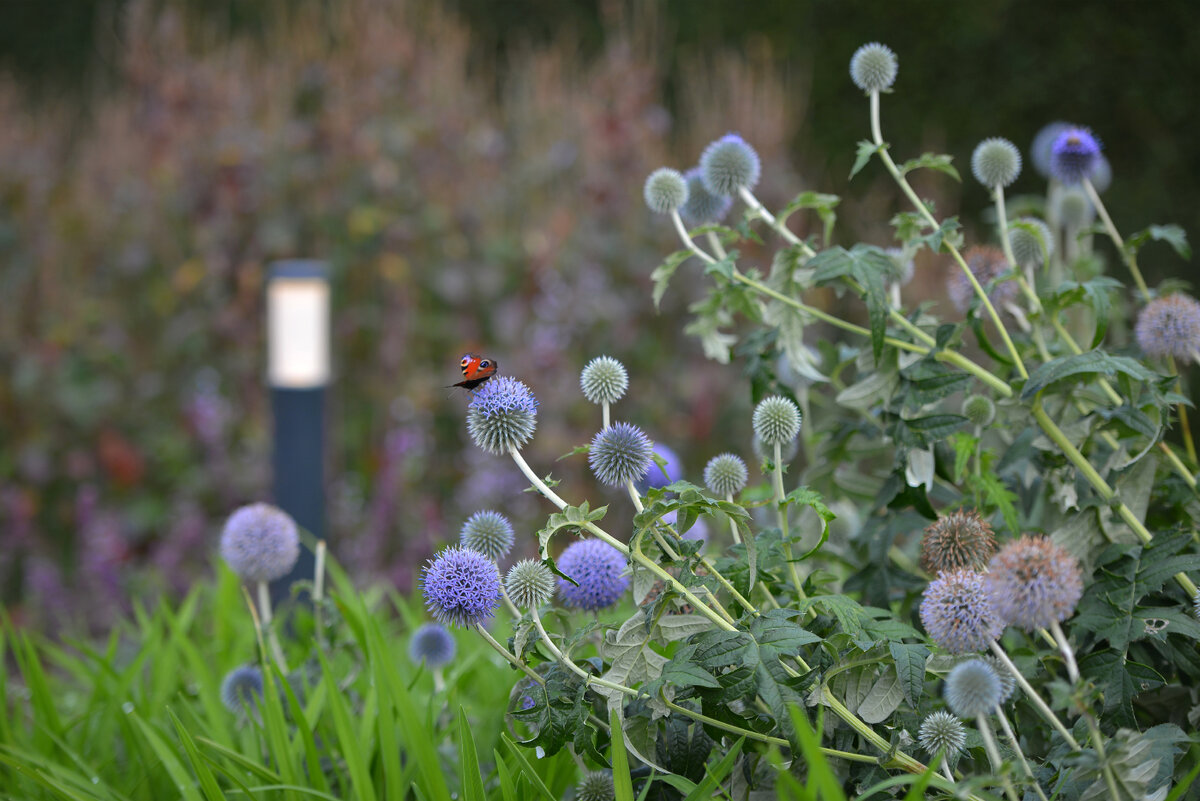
point(529, 583)
point(596, 785)
point(979, 409)
point(942, 732)
point(958, 614)
point(461, 586)
point(701, 205)
point(598, 568)
point(961, 539)
point(665, 190)
point(776, 420)
point(604, 380)
point(996, 162)
point(725, 474)
point(972, 689)
point(1074, 154)
point(728, 164)
point(1073, 207)
point(488, 532)
point(873, 67)
point(432, 644)
point(1043, 143)
point(1032, 583)
point(260, 542)
point(502, 415)
point(986, 264)
point(242, 687)
point(1169, 326)
point(1008, 683)
point(619, 454)
point(660, 476)
point(1032, 241)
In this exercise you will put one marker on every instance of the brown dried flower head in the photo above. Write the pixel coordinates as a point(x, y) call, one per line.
point(957, 540)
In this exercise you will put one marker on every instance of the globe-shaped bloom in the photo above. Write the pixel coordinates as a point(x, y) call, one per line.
point(659, 477)
point(1043, 143)
point(242, 687)
point(1031, 240)
point(942, 732)
point(996, 162)
point(620, 454)
point(1033, 582)
point(1008, 684)
point(979, 409)
point(973, 689)
point(461, 586)
point(1169, 326)
point(604, 380)
point(260, 542)
point(1074, 154)
point(873, 67)
point(529, 583)
point(488, 532)
point(502, 415)
point(596, 785)
point(701, 205)
point(665, 190)
point(1073, 208)
point(957, 612)
point(598, 570)
point(776, 420)
point(986, 264)
point(728, 165)
point(725, 475)
point(961, 539)
point(432, 644)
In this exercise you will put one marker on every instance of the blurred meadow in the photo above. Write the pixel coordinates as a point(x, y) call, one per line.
point(472, 171)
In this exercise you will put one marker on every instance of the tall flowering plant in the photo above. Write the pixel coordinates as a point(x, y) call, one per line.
point(1013, 614)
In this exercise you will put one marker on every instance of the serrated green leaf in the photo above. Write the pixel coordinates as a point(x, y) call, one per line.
point(661, 276)
point(933, 161)
point(1173, 235)
point(910, 669)
point(883, 698)
point(1093, 362)
point(863, 155)
point(823, 204)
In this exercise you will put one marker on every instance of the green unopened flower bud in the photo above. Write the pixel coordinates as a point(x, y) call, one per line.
point(873, 67)
point(996, 162)
point(980, 410)
point(665, 190)
point(604, 380)
point(529, 583)
point(776, 420)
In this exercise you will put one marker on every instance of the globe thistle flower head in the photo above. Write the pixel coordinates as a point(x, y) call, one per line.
point(942, 732)
point(596, 785)
point(665, 190)
point(1074, 208)
point(529, 584)
point(1032, 583)
point(996, 162)
point(776, 420)
point(986, 264)
point(729, 164)
point(957, 612)
point(461, 587)
point(502, 415)
point(1043, 142)
point(604, 380)
point(432, 644)
point(1031, 240)
point(701, 205)
point(979, 409)
point(725, 474)
point(260, 542)
point(598, 570)
point(1074, 154)
point(660, 476)
point(873, 67)
point(972, 689)
point(961, 539)
point(1169, 326)
point(242, 687)
point(488, 532)
point(619, 454)
point(1008, 684)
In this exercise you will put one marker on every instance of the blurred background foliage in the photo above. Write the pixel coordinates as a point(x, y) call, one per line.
point(473, 171)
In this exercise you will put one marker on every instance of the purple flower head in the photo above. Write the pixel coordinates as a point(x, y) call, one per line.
point(1073, 155)
point(958, 614)
point(598, 568)
point(987, 264)
point(728, 165)
point(1032, 583)
point(1169, 326)
point(702, 206)
point(619, 454)
point(260, 542)
point(431, 643)
point(1043, 143)
point(659, 477)
point(462, 587)
point(973, 688)
point(242, 686)
point(502, 415)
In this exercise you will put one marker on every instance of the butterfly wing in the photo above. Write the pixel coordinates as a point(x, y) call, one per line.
point(475, 370)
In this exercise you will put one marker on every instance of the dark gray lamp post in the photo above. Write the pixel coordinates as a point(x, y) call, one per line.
point(298, 372)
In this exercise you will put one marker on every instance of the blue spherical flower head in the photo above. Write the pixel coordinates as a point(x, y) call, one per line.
point(599, 570)
point(260, 542)
point(701, 205)
point(1033, 583)
point(502, 415)
point(1169, 326)
point(461, 586)
point(1074, 155)
point(432, 644)
point(659, 477)
point(1043, 143)
point(958, 614)
point(973, 688)
point(619, 454)
point(242, 687)
point(728, 165)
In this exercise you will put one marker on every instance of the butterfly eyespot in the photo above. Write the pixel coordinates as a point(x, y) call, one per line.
point(465, 361)
point(485, 364)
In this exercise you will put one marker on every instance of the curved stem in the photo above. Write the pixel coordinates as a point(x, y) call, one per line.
point(758, 208)
point(504, 652)
point(989, 745)
point(1016, 747)
point(548, 493)
point(1064, 646)
point(1033, 697)
point(1129, 259)
point(264, 609)
point(512, 608)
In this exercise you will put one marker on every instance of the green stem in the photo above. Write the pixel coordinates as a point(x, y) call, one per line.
point(793, 568)
point(264, 610)
point(989, 745)
point(1033, 697)
point(1016, 747)
point(1129, 259)
point(512, 660)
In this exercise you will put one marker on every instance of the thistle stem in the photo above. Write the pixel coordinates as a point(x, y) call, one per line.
point(504, 652)
point(1064, 646)
point(1129, 259)
point(785, 540)
point(264, 609)
point(1033, 697)
point(989, 745)
point(1016, 747)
